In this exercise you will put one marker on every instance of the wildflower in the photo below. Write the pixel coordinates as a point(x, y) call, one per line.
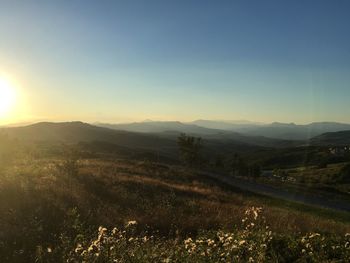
point(229, 239)
point(188, 243)
point(241, 242)
point(188, 240)
point(78, 248)
point(314, 235)
point(102, 229)
point(255, 214)
point(114, 231)
point(131, 223)
point(91, 248)
point(210, 242)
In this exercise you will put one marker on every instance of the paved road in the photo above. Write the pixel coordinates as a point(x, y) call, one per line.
point(301, 197)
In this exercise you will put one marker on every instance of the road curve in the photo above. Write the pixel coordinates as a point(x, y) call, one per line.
point(263, 189)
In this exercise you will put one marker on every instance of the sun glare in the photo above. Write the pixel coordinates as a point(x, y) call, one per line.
point(7, 97)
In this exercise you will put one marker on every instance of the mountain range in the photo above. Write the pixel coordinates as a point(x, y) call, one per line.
point(151, 135)
point(276, 130)
point(286, 131)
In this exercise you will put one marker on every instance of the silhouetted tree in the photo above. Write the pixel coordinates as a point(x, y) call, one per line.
point(239, 166)
point(189, 149)
point(254, 170)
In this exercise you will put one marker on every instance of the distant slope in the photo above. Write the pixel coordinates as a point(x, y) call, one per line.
point(74, 132)
point(332, 138)
point(285, 131)
point(225, 125)
point(173, 129)
point(162, 126)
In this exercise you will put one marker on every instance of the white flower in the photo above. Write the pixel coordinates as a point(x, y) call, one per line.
point(241, 242)
point(314, 235)
point(131, 223)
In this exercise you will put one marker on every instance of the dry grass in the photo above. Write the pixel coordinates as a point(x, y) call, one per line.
point(36, 199)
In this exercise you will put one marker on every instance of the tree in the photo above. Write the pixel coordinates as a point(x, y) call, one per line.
point(254, 170)
point(189, 149)
point(238, 166)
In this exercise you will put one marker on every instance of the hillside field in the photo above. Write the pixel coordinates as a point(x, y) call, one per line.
point(51, 205)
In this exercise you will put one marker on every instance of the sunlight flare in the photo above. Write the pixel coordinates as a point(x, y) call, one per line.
point(7, 97)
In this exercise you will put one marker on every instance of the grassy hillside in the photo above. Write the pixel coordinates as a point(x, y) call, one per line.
point(49, 204)
point(57, 190)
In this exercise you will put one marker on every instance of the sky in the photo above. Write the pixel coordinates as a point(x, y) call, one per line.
point(121, 61)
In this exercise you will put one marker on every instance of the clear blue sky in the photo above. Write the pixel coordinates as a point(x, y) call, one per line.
point(132, 60)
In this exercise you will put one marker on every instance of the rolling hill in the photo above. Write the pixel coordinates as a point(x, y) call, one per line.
point(284, 131)
point(163, 126)
point(173, 129)
point(332, 138)
point(75, 132)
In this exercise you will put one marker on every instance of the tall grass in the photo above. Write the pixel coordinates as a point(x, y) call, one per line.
point(49, 206)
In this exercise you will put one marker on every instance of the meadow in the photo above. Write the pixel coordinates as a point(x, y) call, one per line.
point(66, 207)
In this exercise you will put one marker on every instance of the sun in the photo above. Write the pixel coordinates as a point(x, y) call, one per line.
point(7, 97)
